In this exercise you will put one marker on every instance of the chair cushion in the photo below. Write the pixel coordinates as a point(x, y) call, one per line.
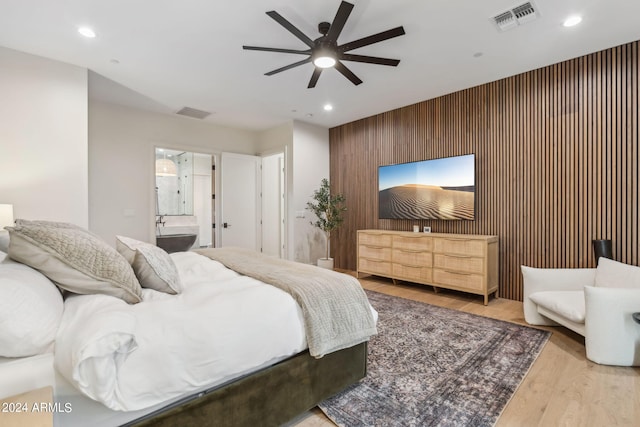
point(613, 274)
point(568, 304)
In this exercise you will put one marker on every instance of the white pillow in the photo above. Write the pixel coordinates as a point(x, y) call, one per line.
point(153, 266)
point(30, 310)
point(613, 274)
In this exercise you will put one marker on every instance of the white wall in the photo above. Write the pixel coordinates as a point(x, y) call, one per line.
point(122, 144)
point(276, 139)
point(306, 150)
point(43, 138)
point(310, 157)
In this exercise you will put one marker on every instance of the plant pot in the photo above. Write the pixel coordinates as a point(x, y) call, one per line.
point(326, 263)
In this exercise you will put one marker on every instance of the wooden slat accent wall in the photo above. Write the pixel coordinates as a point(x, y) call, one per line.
point(556, 162)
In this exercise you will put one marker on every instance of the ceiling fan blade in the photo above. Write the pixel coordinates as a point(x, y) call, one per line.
point(314, 77)
point(369, 59)
point(290, 27)
point(376, 38)
point(338, 22)
point(275, 49)
point(347, 73)
point(288, 67)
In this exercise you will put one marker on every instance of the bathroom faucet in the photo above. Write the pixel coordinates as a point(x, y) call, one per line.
point(159, 221)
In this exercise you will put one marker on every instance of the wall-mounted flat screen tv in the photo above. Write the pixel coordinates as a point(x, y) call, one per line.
point(429, 189)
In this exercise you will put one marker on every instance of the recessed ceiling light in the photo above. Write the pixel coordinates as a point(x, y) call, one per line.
point(572, 21)
point(328, 107)
point(477, 54)
point(114, 61)
point(87, 32)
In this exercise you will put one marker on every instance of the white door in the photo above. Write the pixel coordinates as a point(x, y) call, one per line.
point(239, 224)
point(273, 205)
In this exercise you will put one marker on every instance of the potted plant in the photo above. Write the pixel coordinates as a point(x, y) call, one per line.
point(329, 209)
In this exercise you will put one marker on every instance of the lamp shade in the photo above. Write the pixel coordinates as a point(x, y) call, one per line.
point(6, 216)
point(166, 167)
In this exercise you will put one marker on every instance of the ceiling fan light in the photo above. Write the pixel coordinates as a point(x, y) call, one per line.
point(324, 61)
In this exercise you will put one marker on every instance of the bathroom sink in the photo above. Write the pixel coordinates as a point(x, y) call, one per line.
point(176, 242)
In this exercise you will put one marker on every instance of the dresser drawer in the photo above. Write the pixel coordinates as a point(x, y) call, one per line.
point(383, 268)
point(412, 258)
point(374, 252)
point(374, 239)
point(415, 243)
point(460, 246)
point(412, 274)
point(461, 263)
point(462, 281)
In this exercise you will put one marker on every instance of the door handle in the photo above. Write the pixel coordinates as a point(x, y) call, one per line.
point(225, 225)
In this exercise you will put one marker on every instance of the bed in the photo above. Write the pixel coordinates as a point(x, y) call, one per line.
point(198, 343)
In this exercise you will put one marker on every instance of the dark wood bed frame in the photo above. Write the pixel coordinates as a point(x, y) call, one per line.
point(269, 397)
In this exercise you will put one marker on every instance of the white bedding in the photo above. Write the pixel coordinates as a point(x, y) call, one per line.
point(222, 325)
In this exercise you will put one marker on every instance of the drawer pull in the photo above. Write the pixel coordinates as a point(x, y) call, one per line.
point(458, 256)
point(375, 260)
point(376, 247)
point(458, 273)
point(411, 266)
point(411, 251)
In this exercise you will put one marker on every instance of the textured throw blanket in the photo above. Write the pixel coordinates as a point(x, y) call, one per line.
point(336, 310)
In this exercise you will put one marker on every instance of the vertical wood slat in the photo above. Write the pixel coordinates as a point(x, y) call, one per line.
point(556, 162)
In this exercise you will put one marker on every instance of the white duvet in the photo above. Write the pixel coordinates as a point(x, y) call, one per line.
point(130, 357)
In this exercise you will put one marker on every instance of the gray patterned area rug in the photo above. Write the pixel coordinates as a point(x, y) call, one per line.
point(432, 366)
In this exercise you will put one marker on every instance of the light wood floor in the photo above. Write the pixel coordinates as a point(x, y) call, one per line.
point(562, 388)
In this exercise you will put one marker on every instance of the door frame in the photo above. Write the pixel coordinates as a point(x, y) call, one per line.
point(215, 158)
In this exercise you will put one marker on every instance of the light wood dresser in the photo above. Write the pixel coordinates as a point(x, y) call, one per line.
point(461, 262)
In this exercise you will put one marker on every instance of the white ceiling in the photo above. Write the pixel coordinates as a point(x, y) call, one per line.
point(172, 54)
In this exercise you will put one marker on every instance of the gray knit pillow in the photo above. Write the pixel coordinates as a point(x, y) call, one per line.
point(75, 259)
point(153, 266)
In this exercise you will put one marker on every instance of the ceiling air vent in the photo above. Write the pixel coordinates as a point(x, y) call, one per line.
point(192, 112)
point(516, 16)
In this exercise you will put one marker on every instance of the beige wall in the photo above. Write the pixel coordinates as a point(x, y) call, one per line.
point(306, 149)
point(121, 162)
point(91, 163)
point(43, 138)
point(310, 163)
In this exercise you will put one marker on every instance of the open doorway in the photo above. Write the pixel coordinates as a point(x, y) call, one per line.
point(184, 190)
point(273, 205)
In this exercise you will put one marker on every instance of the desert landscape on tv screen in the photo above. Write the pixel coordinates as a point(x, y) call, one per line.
point(430, 189)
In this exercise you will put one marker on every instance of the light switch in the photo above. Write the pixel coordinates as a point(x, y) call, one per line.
point(299, 214)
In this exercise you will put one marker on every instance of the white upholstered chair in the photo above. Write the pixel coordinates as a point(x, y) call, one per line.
point(596, 303)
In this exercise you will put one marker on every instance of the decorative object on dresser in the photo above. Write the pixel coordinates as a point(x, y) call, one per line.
point(462, 262)
point(328, 208)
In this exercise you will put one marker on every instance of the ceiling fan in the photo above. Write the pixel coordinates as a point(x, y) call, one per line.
point(325, 52)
